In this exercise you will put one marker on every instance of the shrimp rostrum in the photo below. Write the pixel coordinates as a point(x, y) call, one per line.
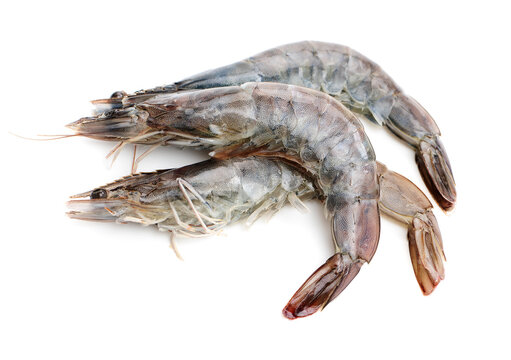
point(345, 74)
point(299, 125)
point(201, 199)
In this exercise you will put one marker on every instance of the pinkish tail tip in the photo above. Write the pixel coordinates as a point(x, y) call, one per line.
point(426, 251)
point(324, 285)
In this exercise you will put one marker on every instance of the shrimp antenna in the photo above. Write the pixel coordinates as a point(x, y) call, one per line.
point(49, 137)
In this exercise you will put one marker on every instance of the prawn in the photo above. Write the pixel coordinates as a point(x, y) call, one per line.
point(300, 125)
point(219, 193)
point(350, 77)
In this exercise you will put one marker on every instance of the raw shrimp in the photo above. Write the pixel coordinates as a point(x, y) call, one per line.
point(344, 74)
point(198, 199)
point(203, 198)
point(301, 125)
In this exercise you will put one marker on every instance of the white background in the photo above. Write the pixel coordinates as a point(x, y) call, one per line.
point(80, 290)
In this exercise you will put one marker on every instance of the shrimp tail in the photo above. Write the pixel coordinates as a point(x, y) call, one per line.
point(405, 202)
point(426, 251)
point(328, 281)
point(357, 227)
point(436, 171)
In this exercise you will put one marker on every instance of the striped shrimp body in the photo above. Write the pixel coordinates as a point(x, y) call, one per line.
point(344, 74)
point(203, 198)
point(298, 124)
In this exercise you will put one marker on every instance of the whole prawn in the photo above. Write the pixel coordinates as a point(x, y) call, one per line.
point(301, 125)
point(345, 74)
point(202, 198)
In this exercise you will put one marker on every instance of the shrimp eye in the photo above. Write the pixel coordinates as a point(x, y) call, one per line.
point(98, 194)
point(118, 95)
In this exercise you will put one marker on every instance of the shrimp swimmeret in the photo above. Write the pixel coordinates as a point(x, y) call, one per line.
point(201, 199)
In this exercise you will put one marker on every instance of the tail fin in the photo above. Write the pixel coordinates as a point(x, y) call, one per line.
point(426, 251)
point(322, 286)
point(436, 171)
point(405, 202)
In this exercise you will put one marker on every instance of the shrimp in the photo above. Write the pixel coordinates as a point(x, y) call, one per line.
point(345, 74)
point(301, 125)
point(218, 193)
point(198, 199)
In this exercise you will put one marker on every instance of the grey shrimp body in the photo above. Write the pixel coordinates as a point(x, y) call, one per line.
point(299, 124)
point(345, 74)
point(351, 78)
point(203, 198)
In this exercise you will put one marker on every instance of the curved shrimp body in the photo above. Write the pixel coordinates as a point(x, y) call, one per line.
point(195, 200)
point(299, 124)
point(346, 75)
point(201, 199)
